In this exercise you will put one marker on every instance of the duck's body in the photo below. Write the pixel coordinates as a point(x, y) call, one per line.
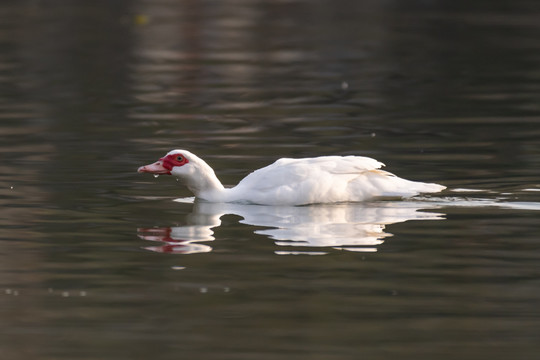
point(326, 179)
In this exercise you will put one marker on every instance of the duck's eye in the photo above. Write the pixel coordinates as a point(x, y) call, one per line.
point(179, 158)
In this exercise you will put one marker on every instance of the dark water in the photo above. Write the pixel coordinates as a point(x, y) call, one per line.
point(98, 262)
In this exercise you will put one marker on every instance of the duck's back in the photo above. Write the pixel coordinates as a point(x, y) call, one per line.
point(326, 179)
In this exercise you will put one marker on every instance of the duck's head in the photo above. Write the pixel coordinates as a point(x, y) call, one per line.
point(174, 163)
point(196, 174)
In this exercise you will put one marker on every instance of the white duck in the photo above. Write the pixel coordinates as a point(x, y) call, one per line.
point(325, 179)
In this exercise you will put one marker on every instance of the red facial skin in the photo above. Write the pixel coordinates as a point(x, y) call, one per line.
point(164, 165)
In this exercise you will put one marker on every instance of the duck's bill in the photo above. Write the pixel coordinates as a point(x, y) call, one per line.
point(155, 168)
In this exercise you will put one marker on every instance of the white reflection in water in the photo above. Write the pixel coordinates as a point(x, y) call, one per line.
point(353, 227)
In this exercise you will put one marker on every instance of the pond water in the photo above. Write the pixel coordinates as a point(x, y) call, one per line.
point(99, 262)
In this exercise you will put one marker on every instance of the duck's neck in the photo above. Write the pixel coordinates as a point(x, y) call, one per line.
point(203, 183)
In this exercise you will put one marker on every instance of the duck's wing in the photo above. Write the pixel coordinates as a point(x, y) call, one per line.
point(304, 181)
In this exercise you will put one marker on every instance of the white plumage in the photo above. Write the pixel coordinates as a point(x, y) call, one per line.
point(326, 179)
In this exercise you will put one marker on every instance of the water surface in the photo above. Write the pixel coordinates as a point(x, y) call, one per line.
point(99, 262)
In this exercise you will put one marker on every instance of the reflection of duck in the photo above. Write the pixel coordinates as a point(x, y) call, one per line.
point(326, 179)
point(354, 227)
point(178, 239)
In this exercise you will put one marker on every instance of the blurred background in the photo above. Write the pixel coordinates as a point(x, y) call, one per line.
point(440, 91)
